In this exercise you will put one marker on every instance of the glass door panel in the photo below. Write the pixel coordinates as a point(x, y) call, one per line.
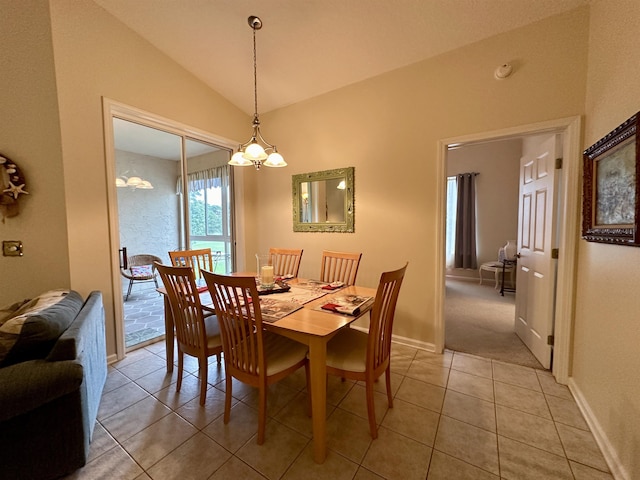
point(150, 217)
point(209, 192)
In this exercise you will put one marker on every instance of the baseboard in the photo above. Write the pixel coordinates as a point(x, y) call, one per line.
point(610, 456)
point(409, 342)
point(112, 359)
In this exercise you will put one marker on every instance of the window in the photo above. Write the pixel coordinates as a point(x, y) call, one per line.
point(210, 214)
point(452, 207)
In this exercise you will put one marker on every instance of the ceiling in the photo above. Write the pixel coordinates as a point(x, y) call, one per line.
point(310, 47)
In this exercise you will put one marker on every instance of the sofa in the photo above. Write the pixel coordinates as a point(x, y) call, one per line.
point(53, 368)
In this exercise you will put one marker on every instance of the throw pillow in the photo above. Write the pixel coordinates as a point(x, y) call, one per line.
point(33, 328)
point(142, 270)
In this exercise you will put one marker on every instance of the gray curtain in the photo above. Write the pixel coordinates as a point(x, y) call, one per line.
point(465, 243)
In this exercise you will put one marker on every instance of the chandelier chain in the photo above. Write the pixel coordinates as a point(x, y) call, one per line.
point(255, 75)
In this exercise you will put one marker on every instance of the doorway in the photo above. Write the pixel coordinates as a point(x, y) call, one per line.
point(173, 190)
point(567, 232)
point(480, 310)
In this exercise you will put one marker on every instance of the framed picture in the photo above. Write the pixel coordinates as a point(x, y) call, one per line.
point(611, 200)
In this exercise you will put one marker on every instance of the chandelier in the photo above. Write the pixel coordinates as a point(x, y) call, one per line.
point(133, 181)
point(257, 151)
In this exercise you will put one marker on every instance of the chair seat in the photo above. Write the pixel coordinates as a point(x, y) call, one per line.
point(496, 268)
point(282, 353)
point(348, 350)
point(138, 277)
point(214, 340)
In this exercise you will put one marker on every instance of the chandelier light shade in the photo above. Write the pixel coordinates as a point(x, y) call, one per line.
point(133, 181)
point(256, 151)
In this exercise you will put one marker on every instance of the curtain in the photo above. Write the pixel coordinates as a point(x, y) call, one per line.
point(208, 178)
point(465, 243)
point(452, 206)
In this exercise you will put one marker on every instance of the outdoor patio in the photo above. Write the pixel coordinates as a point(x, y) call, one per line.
point(143, 315)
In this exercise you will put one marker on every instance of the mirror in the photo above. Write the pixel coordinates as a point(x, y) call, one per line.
point(323, 201)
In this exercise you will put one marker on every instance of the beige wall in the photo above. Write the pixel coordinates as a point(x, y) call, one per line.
point(606, 358)
point(96, 56)
point(388, 127)
point(498, 164)
point(30, 136)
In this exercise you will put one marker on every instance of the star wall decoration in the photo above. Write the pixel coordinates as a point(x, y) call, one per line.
point(15, 190)
point(12, 185)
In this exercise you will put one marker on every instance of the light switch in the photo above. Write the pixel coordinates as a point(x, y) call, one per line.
point(12, 248)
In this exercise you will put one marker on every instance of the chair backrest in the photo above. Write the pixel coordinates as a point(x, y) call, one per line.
point(186, 308)
point(142, 259)
point(339, 267)
point(285, 261)
point(198, 260)
point(237, 307)
point(381, 322)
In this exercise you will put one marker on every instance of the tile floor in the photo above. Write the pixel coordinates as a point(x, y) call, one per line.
point(455, 416)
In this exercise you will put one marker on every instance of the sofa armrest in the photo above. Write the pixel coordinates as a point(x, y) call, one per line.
point(85, 332)
point(27, 385)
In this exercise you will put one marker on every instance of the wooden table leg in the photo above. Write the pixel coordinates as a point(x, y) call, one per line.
point(168, 333)
point(318, 373)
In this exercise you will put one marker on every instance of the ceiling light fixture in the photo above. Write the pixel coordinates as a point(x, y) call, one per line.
point(133, 181)
point(257, 151)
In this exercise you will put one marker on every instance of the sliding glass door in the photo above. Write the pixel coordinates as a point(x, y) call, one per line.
point(174, 191)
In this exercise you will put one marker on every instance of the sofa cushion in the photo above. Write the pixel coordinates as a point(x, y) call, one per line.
point(32, 329)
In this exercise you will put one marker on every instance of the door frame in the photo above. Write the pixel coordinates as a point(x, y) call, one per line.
point(110, 109)
point(568, 233)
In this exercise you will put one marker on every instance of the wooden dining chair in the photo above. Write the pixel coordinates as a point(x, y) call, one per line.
point(199, 260)
point(285, 261)
point(251, 354)
point(364, 356)
point(196, 335)
point(339, 267)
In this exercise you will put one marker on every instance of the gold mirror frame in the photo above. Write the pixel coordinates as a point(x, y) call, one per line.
point(340, 173)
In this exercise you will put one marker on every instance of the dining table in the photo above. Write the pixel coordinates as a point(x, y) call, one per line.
point(310, 325)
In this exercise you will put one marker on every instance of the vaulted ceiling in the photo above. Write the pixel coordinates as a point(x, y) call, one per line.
point(310, 47)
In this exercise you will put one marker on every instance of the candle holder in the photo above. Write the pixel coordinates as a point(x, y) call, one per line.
point(264, 272)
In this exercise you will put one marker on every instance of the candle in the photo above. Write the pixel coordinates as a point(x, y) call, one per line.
point(266, 275)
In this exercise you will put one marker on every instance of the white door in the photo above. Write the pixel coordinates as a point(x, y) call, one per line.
point(536, 272)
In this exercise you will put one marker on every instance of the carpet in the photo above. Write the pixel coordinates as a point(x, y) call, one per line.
point(479, 321)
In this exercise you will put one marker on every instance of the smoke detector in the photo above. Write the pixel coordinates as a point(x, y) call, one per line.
point(503, 71)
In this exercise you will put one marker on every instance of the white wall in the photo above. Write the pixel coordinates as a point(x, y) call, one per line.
point(149, 219)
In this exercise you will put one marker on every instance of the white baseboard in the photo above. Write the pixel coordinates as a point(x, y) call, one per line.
point(610, 456)
point(409, 342)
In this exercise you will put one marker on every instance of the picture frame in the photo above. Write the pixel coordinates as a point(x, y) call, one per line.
point(611, 187)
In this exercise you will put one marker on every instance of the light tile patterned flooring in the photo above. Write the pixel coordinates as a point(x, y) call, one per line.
point(455, 416)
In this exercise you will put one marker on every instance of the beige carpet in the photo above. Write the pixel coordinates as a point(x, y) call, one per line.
point(479, 321)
